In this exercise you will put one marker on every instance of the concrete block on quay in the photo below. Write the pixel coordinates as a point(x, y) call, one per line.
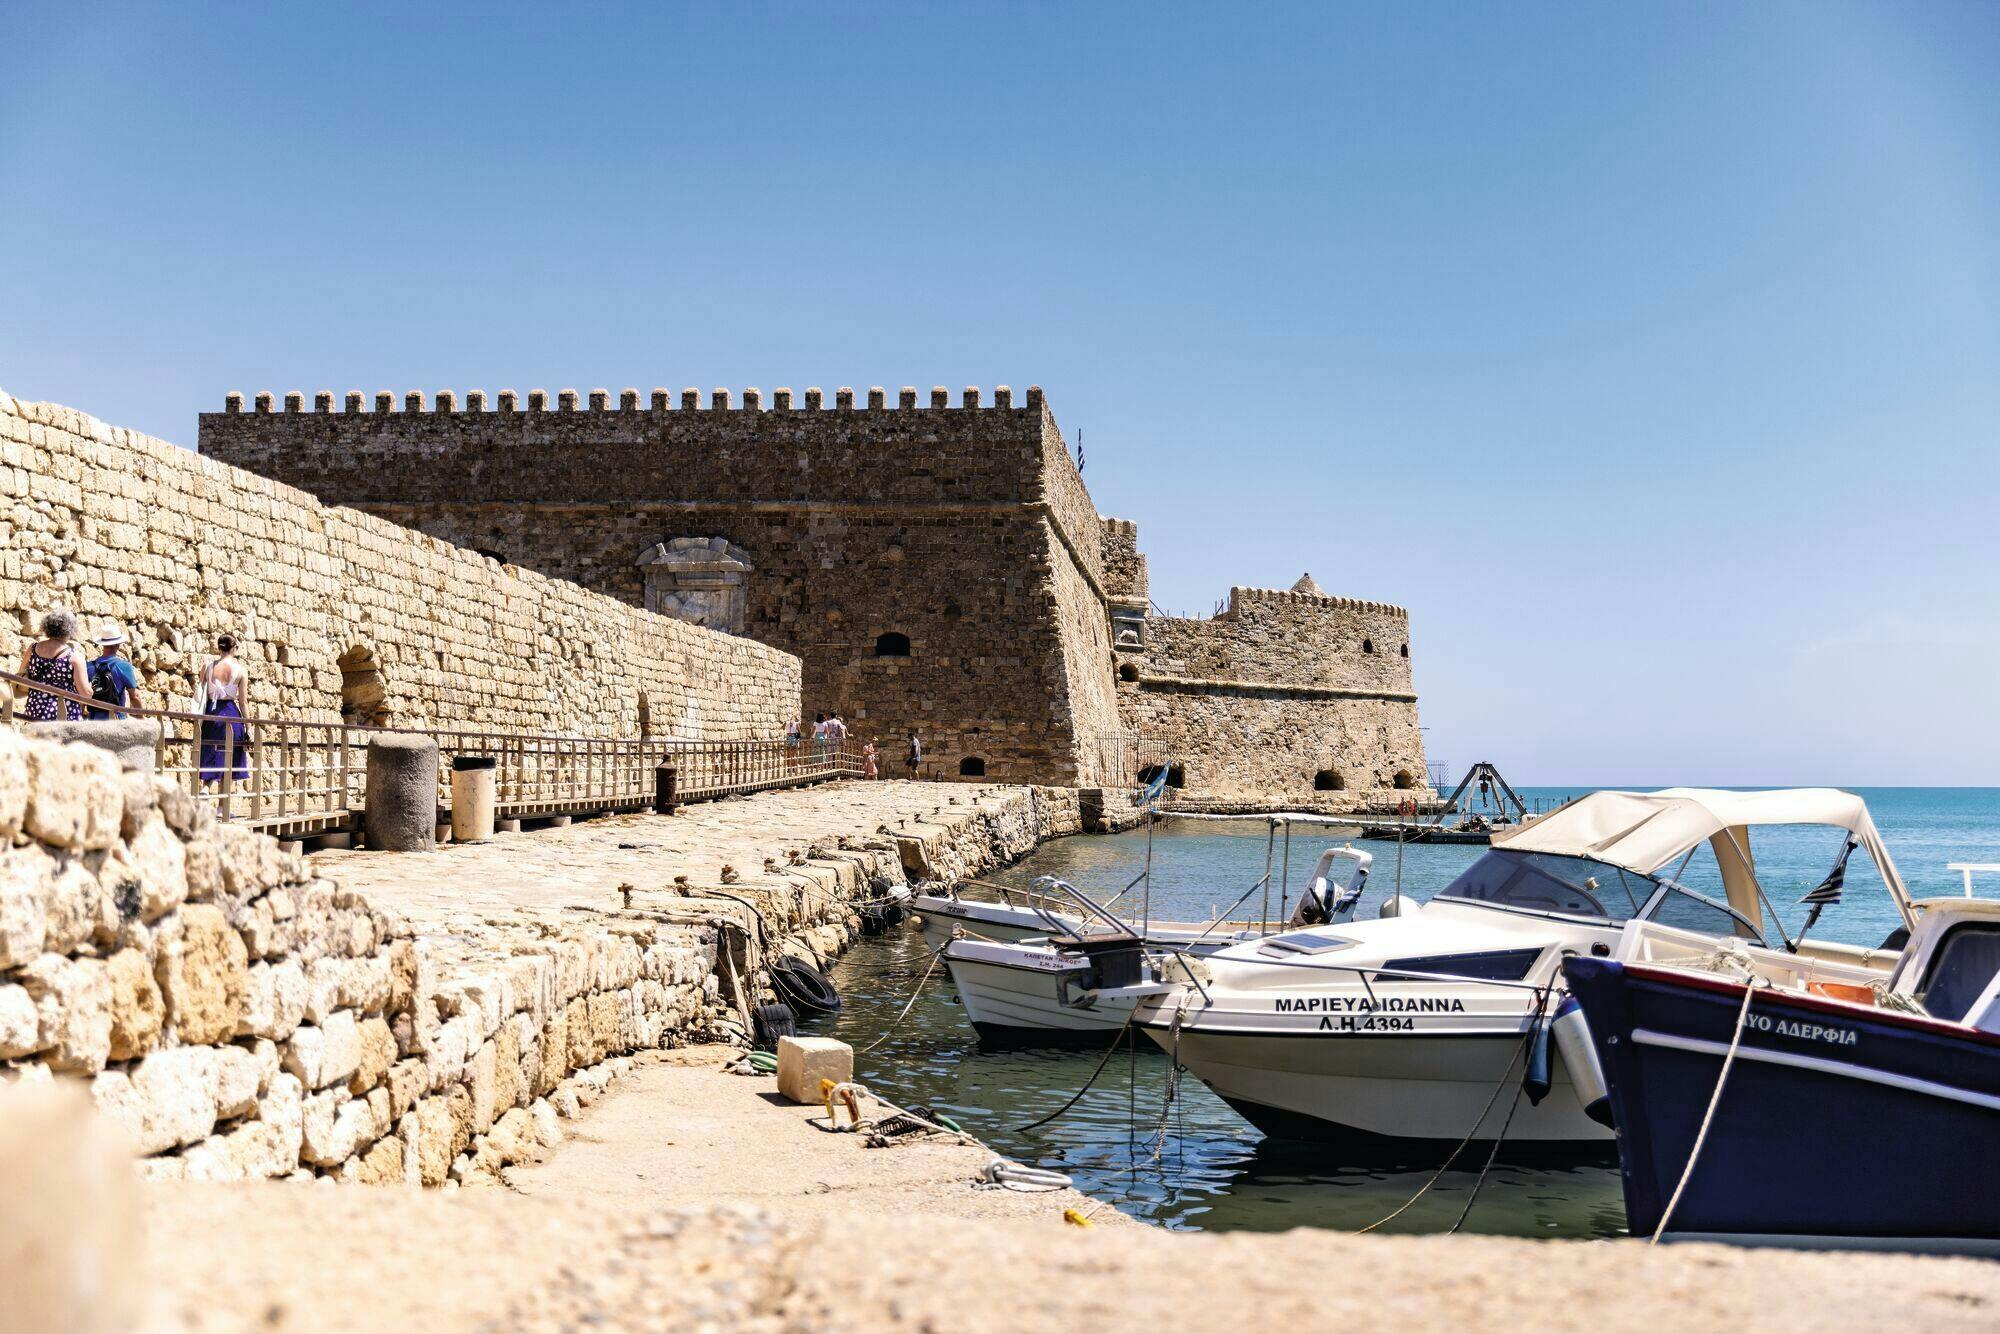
point(804, 1062)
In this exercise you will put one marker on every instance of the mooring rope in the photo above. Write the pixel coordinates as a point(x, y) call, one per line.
point(1472, 1196)
point(929, 968)
point(1109, 1052)
point(1750, 985)
point(1452, 1157)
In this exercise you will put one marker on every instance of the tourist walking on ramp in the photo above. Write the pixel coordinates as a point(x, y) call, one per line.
point(819, 737)
point(225, 741)
point(54, 661)
point(915, 757)
point(868, 769)
point(113, 680)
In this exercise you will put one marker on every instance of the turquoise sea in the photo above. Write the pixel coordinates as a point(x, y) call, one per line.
point(1201, 1166)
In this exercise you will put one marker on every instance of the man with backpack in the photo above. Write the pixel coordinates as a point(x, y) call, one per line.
point(113, 680)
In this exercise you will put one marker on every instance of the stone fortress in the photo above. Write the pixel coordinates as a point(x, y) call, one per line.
point(936, 566)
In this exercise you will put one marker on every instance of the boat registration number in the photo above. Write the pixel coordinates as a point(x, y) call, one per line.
point(1367, 1023)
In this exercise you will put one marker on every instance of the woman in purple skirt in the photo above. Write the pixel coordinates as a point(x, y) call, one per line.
point(224, 681)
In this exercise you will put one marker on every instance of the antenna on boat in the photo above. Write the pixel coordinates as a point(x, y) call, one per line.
point(1285, 877)
point(1270, 846)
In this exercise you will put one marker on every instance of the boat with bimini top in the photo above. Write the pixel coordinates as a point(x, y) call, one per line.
point(1437, 1021)
point(1760, 1100)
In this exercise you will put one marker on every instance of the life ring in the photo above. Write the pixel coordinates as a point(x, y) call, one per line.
point(1406, 807)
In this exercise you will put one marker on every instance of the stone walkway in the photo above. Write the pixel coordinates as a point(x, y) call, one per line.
point(797, 856)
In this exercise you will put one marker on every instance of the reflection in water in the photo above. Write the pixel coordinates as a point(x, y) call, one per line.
point(1205, 1168)
point(1201, 1166)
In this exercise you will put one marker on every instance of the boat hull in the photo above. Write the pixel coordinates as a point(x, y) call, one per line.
point(1381, 1089)
point(1838, 1126)
point(1024, 996)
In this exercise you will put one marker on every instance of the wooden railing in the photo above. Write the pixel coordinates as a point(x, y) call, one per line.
point(295, 778)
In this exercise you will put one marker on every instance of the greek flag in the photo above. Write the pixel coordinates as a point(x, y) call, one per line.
point(1150, 792)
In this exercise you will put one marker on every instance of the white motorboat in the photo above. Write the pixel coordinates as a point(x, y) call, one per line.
point(1081, 984)
point(1423, 1025)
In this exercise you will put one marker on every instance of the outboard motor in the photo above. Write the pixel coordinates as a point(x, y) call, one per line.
point(1579, 1053)
point(1324, 902)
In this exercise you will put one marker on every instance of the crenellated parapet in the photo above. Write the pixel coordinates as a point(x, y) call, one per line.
point(445, 401)
point(1244, 597)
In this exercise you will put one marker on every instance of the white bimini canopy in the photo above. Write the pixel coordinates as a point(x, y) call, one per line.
point(1645, 831)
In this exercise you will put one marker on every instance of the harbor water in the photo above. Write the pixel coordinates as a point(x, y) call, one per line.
point(1191, 1162)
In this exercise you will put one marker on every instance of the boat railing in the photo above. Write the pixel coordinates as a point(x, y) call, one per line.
point(1968, 869)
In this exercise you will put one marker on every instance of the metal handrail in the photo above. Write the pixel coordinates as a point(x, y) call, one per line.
point(301, 777)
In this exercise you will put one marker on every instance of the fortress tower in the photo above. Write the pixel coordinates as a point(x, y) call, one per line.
point(937, 566)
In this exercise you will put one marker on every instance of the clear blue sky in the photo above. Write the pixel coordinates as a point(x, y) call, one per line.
point(1649, 354)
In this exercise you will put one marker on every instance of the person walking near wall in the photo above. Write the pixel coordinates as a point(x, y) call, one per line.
point(113, 680)
point(915, 756)
point(868, 767)
point(225, 741)
point(819, 737)
point(54, 661)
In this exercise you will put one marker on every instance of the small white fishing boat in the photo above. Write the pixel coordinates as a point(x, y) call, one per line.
point(1080, 984)
point(1421, 1026)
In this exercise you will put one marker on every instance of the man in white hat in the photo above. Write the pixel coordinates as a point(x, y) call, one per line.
point(112, 678)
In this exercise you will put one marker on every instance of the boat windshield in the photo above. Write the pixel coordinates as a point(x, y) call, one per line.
point(1543, 882)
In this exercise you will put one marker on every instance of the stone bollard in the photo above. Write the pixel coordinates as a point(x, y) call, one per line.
point(402, 794)
point(135, 741)
point(472, 798)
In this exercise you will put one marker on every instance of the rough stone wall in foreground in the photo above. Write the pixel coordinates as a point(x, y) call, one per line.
point(934, 564)
point(240, 1016)
point(331, 604)
point(1282, 693)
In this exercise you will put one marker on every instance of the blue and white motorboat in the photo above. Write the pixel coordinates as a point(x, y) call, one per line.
point(1420, 1026)
point(1849, 1117)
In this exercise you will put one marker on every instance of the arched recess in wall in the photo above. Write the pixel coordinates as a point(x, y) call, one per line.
point(1176, 774)
point(1404, 651)
point(1367, 646)
point(972, 767)
point(1329, 780)
point(892, 645)
point(364, 696)
point(1128, 671)
point(1404, 780)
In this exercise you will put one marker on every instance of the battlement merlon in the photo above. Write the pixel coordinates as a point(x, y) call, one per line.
point(416, 452)
point(445, 401)
point(1241, 596)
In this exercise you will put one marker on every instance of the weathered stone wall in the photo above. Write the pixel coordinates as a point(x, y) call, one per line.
point(179, 548)
point(240, 1015)
point(964, 530)
point(1282, 694)
point(1124, 564)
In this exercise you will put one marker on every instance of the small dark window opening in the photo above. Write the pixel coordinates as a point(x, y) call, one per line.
point(1367, 646)
point(1176, 775)
point(1128, 671)
point(1404, 781)
point(972, 767)
point(491, 554)
point(1329, 780)
point(951, 611)
point(892, 645)
point(1404, 651)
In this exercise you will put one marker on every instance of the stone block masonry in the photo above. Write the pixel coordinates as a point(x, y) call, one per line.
point(242, 1012)
point(342, 614)
point(935, 565)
